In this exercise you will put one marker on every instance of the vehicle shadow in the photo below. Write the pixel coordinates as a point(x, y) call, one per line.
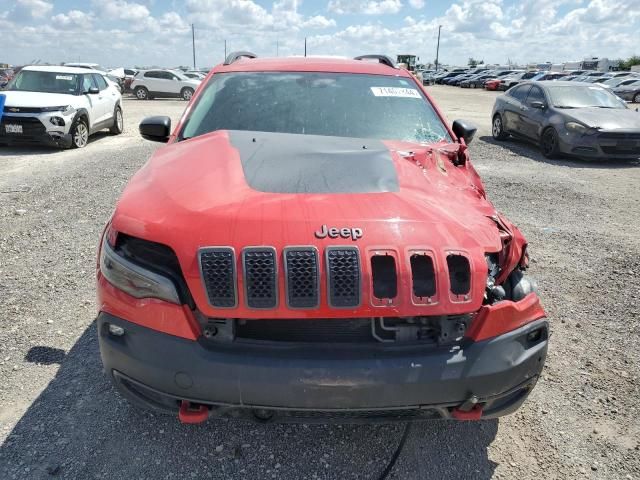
point(38, 150)
point(80, 428)
point(529, 150)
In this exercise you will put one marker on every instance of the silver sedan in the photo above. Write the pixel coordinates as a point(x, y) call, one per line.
point(568, 118)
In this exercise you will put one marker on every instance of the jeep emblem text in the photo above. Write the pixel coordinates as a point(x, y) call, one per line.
point(333, 232)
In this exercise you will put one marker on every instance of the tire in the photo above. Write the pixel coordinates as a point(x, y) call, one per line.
point(497, 128)
point(636, 98)
point(141, 93)
point(118, 121)
point(186, 93)
point(79, 133)
point(549, 143)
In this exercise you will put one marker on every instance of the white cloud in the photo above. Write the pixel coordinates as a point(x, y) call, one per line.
point(26, 9)
point(122, 10)
point(367, 7)
point(416, 3)
point(319, 22)
point(74, 19)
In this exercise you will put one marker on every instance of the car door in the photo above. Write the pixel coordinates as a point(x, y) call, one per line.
point(176, 84)
point(94, 112)
point(532, 117)
point(166, 83)
point(152, 81)
point(110, 96)
point(102, 99)
point(513, 105)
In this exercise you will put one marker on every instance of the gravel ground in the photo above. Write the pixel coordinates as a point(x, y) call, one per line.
point(60, 418)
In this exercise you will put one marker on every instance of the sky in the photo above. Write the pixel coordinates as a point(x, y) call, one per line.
point(158, 32)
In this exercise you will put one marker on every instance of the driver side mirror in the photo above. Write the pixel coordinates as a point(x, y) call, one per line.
point(537, 104)
point(156, 129)
point(464, 130)
point(94, 91)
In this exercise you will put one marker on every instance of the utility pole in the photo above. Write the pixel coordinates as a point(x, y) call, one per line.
point(305, 46)
point(438, 47)
point(277, 47)
point(193, 43)
point(225, 49)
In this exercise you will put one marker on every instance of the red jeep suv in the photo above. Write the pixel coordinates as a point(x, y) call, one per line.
point(313, 243)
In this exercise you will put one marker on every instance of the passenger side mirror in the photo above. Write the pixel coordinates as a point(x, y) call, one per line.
point(537, 104)
point(94, 91)
point(156, 129)
point(464, 130)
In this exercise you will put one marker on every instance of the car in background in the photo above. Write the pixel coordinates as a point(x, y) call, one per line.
point(546, 76)
point(195, 75)
point(629, 91)
point(129, 74)
point(150, 84)
point(115, 76)
point(621, 81)
point(509, 81)
point(475, 81)
point(568, 118)
point(440, 79)
point(6, 75)
point(60, 106)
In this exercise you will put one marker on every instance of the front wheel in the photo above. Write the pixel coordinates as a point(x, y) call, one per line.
point(187, 93)
point(79, 133)
point(549, 143)
point(118, 121)
point(636, 98)
point(497, 128)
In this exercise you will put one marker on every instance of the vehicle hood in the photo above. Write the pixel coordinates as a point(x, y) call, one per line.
point(606, 118)
point(239, 189)
point(37, 99)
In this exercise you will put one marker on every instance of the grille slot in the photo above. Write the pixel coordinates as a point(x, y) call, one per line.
point(301, 277)
point(347, 330)
point(218, 270)
point(459, 274)
point(385, 278)
point(31, 126)
point(260, 277)
point(423, 277)
point(343, 276)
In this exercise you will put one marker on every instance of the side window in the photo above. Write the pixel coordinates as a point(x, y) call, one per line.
point(151, 74)
point(166, 75)
point(87, 83)
point(520, 92)
point(100, 81)
point(536, 95)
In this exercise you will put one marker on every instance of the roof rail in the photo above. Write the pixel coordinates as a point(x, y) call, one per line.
point(233, 56)
point(381, 59)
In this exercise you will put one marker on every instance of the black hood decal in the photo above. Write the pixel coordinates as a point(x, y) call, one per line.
point(291, 163)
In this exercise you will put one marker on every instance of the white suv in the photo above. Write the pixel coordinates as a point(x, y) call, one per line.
point(150, 84)
point(59, 106)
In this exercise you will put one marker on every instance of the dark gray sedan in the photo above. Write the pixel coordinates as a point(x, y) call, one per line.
point(577, 119)
point(629, 91)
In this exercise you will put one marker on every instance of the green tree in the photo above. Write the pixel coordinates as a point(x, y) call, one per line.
point(630, 62)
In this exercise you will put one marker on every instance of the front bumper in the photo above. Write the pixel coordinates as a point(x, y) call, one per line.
point(303, 382)
point(602, 146)
point(36, 130)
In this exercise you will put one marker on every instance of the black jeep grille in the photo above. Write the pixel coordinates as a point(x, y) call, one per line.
point(219, 276)
point(260, 277)
point(343, 271)
point(339, 330)
point(302, 286)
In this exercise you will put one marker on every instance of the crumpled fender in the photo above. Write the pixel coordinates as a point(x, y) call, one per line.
point(514, 247)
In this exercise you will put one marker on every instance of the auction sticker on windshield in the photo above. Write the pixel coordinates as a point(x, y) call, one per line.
point(395, 92)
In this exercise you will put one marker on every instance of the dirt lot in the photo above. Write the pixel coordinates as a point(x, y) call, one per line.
point(60, 418)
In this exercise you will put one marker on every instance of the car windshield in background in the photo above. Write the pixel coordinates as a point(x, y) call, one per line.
point(180, 75)
point(48, 82)
point(581, 97)
point(333, 104)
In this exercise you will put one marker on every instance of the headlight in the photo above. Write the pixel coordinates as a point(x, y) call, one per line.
point(133, 279)
point(66, 109)
point(580, 129)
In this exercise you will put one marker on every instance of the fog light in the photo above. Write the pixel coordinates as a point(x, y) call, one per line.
point(535, 335)
point(115, 330)
point(57, 121)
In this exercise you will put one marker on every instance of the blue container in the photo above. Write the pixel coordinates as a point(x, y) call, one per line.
point(2, 97)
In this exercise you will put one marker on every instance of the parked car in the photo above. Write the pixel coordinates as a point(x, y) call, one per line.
point(568, 118)
point(620, 81)
point(59, 106)
point(129, 75)
point(476, 81)
point(195, 75)
point(545, 76)
point(628, 91)
point(242, 272)
point(446, 76)
point(115, 76)
point(150, 84)
point(512, 79)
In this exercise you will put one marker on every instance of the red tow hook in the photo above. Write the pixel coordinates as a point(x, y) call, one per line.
point(192, 413)
point(469, 410)
point(474, 414)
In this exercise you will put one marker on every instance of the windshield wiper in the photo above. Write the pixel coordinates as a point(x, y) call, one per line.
point(563, 106)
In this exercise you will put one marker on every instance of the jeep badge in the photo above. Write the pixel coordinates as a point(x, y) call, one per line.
point(333, 232)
